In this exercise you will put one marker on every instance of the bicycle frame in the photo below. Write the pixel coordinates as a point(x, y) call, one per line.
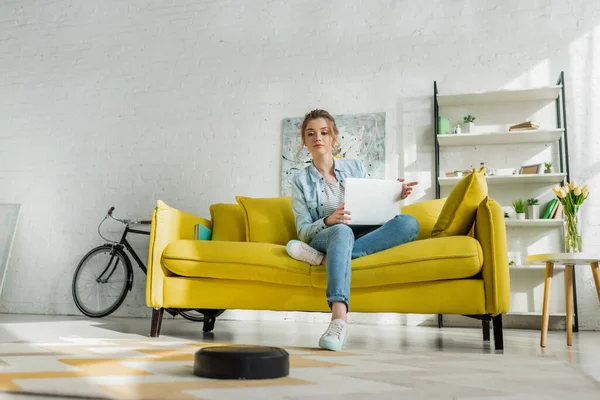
point(125, 243)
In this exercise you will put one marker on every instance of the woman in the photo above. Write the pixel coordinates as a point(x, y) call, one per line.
point(322, 222)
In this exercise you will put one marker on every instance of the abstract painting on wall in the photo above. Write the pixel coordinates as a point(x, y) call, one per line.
point(9, 215)
point(362, 137)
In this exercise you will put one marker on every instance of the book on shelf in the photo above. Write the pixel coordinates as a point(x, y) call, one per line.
point(524, 126)
point(550, 208)
point(554, 208)
point(450, 174)
point(558, 212)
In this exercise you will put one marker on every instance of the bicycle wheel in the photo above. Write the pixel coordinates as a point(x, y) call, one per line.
point(198, 315)
point(101, 281)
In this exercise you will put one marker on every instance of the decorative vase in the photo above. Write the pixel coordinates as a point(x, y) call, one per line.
point(520, 215)
point(534, 211)
point(572, 229)
point(548, 171)
point(468, 127)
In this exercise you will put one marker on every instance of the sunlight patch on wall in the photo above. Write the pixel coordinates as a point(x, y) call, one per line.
point(538, 75)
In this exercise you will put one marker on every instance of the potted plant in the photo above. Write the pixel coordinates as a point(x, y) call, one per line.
point(458, 173)
point(468, 126)
point(548, 169)
point(533, 209)
point(519, 207)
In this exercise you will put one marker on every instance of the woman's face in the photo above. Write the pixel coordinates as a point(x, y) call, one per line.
point(318, 137)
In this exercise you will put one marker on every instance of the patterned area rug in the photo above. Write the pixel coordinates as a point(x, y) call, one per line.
point(159, 369)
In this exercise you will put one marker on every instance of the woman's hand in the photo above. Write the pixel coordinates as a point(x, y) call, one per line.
point(339, 216)
point(407, 188)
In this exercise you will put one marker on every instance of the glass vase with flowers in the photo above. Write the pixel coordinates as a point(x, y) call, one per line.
point(571, 197)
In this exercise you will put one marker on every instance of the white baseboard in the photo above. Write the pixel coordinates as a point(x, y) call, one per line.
point(458, 321)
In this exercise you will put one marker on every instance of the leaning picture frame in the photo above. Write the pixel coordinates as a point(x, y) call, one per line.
point(531, 169)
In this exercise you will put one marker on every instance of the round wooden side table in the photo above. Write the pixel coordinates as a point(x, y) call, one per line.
point(569, 260)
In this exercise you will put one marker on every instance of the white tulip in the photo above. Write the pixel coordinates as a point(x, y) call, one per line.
point(585, 190)
point(577, 191)
point(562, 193)
point(556, 189)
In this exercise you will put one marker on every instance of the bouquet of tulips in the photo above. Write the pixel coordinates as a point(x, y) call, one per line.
point(571, 196)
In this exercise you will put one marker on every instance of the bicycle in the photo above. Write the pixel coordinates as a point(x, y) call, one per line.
point(108, 271)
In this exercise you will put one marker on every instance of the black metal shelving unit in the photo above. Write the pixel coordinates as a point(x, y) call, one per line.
point(561, 123)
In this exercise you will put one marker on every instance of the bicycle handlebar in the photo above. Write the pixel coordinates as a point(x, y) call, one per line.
point(127, 221)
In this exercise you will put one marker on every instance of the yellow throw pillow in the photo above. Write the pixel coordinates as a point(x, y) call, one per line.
point(426, 213)
point(458, 214)
point(228, 222)
point(269, 220)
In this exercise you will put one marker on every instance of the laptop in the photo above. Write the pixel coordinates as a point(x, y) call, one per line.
point(372, 201)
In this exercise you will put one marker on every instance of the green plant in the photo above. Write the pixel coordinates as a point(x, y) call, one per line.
point(532, 202)
point(518, 206)
point(469, 118)
point(548, 165)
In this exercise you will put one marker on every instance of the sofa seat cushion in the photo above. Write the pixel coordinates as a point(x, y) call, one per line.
point(426, 260)
point(245, 261)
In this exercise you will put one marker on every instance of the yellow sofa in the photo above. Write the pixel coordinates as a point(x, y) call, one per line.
point(464, 274)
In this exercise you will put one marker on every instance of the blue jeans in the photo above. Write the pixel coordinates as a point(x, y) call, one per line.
point(338, 243)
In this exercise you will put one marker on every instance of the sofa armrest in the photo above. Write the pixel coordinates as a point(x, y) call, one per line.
point(168, 225)
point(490, 231)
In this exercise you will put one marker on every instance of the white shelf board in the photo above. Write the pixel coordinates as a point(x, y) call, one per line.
point(474, 139)
point(500, 96)
point(533, 222)
point(534, 178)
point(534, 267)
point(535, 313)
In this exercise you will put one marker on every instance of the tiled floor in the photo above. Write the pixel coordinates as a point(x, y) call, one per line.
point(381, 361)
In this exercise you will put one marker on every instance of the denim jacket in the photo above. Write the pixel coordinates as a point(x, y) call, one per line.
point(308, 195)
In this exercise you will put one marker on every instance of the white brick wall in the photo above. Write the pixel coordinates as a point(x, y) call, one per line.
point(123, 103)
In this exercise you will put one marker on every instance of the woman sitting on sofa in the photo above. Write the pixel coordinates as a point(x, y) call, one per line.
point(322, 221)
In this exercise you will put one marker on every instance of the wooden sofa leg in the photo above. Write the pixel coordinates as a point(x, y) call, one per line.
point(485, 326)
point(157, 314)
point(498, 337)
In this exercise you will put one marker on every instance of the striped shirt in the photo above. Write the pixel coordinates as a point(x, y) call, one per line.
point(334, 196)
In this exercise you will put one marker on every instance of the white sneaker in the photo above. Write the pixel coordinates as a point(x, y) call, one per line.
point(303, 252)
point(335, 336)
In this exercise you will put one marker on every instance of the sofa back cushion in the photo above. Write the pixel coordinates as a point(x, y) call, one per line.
point(426, 213)
point(228, 222)
point(460, 208)
point(269, 220)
